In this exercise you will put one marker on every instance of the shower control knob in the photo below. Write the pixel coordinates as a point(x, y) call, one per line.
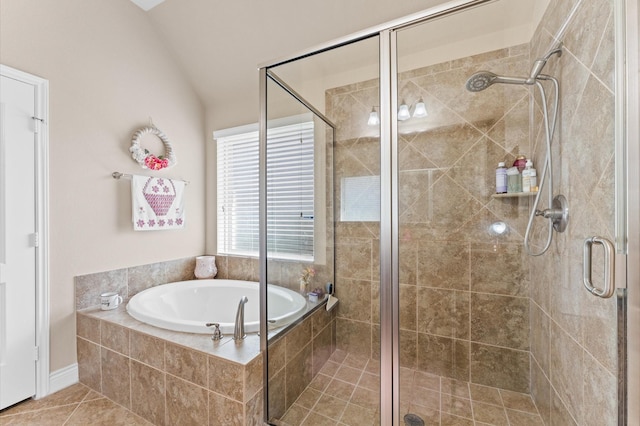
point(558, 214)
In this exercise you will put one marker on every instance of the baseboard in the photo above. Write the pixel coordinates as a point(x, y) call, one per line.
point(63, 378)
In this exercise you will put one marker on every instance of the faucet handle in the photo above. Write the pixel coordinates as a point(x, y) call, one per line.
point(217, 334)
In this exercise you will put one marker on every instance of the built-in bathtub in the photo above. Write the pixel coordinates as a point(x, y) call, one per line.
point(188, 306)
point(171, 377)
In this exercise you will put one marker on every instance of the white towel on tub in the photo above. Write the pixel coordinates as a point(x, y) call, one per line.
point(157, 203)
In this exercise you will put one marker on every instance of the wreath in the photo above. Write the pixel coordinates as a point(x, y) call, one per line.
point(148, 160)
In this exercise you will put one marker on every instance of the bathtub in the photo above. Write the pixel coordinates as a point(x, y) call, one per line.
point(188, 305)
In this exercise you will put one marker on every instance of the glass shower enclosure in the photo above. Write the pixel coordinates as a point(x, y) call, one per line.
point(438, 312)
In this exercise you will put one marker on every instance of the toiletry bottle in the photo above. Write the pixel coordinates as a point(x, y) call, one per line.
point(514, 180)
point(526, 177)
point(533, 175)
point(520, 163)
point(501, 178)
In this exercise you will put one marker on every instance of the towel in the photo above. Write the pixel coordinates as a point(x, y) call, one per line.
point(332, 301)
point(157, 203)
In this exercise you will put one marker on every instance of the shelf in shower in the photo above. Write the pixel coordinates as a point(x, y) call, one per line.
point(514, 195)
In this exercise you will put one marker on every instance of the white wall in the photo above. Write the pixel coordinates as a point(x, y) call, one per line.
point(108, 72)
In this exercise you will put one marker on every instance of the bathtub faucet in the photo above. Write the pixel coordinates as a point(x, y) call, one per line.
point(238, 331)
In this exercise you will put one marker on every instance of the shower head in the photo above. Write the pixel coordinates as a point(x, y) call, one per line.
point(480, 81)
point(483, 79)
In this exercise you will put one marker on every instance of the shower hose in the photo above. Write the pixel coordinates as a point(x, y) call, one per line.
point(549, 127)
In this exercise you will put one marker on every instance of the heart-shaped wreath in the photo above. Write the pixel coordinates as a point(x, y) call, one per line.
point(148, 160)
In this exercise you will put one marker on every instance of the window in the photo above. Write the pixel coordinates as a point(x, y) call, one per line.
point(290, 191)
point(360, 199)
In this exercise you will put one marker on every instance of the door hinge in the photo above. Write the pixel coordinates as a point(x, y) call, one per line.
point(37, 124)
point(36, 353)
point(34, 240)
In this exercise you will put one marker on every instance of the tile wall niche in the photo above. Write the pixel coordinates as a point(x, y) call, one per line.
point(180, 378)
point(573, 334)
point(464, 293)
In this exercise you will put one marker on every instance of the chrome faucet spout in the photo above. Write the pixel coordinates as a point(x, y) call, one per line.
point(238, 331)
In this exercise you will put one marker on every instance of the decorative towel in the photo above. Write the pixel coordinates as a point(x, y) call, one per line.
point(157, 203)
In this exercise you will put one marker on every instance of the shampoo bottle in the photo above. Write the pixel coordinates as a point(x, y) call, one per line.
point(534, 178)
point(526, 177)
point(501, 179)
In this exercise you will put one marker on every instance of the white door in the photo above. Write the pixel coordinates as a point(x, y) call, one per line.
point(17, 242)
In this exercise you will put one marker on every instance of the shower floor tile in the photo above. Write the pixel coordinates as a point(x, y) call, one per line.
point(346, 393)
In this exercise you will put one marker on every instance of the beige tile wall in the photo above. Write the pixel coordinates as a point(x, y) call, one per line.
point(464, 293)
point(130, 281)
point(573, 334)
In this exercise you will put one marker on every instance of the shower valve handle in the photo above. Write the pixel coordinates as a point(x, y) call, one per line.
point(558, 214)
point(550, 213)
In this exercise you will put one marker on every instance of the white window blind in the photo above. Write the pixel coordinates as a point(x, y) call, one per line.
point(290, 192)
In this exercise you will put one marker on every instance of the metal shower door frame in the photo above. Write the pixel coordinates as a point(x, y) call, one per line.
point(389, 220)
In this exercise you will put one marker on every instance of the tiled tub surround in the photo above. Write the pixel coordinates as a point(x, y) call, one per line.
point(168, 377)
point(296, 357)
point(464, 293)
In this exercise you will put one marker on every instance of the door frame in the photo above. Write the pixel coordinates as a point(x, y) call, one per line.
point(631, 78)
point(41, 123)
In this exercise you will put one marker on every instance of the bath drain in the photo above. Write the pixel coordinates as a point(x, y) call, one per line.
point(413, 420)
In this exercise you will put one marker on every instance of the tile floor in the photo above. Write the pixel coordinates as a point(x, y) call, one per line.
point(76, 405)
point(345, 392)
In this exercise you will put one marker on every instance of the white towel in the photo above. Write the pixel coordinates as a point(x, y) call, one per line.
point(157, 203)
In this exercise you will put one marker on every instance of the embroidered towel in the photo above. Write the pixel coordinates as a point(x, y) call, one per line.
point(157, 203)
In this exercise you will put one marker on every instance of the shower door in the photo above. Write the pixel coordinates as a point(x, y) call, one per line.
point(324, 367)
point(443, 316)
point(487, 332)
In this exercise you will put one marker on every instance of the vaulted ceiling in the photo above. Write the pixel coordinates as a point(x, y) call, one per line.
point(220, 44)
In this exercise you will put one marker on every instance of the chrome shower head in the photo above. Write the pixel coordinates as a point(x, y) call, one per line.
point(483, 79)
point(480, 81)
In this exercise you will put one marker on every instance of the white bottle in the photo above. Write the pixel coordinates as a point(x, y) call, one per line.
point(529, 184)
point(534, 180)
point(501, 179)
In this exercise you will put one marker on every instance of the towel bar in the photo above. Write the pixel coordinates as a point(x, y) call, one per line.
point(118, 175)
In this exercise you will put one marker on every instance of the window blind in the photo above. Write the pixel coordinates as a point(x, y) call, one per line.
point(290, 193)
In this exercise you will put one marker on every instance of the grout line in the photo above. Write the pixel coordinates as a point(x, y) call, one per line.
point(9, 416)
point(72, 413)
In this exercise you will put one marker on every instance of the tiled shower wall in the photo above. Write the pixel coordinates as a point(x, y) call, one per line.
point(573, 334)
point(464, 292)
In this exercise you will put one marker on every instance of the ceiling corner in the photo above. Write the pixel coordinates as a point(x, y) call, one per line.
point(147, 5)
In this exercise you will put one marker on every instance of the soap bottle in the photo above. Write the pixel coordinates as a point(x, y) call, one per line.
point(534, 179)
point(526, 177)
point(501, 178)
point(514, 180)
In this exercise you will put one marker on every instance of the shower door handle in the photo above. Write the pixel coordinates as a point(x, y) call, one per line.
point(609, 267)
